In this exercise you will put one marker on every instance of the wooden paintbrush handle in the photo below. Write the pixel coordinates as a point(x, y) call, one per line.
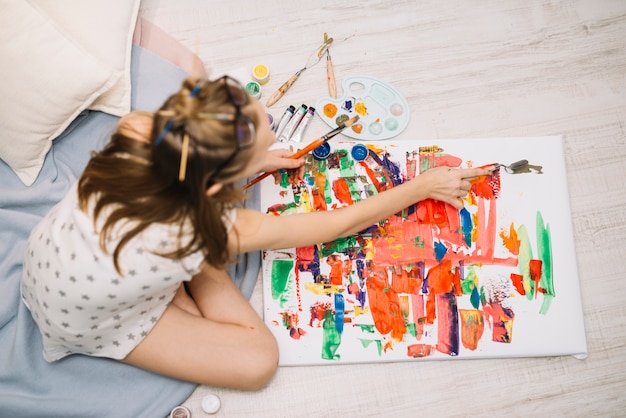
point(282, 89)
point(332, 85)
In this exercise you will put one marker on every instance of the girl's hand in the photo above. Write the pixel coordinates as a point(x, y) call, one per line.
point(451, 185)
point(278, 159)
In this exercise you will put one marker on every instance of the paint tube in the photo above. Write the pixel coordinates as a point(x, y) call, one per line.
point(304, 124)
point(293, 124)
point(284, 120)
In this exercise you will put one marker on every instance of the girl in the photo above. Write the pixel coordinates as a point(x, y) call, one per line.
point(130, 264)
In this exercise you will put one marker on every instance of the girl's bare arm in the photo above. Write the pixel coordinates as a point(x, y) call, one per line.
point(254, 230)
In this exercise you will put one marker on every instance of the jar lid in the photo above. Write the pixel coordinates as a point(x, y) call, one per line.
point(359, 152)
point(261, 73)
point(211, 403)
point(180, 412)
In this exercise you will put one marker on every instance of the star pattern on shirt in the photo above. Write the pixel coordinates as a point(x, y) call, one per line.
point(92, 313)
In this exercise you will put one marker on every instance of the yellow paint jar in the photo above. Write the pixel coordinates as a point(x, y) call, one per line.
point(261, 74)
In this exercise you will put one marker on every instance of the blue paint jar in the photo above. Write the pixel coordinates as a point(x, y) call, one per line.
point(322, 152)
point(359, 152)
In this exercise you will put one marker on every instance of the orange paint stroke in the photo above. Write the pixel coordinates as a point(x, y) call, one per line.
point(419, 350)
point(472, 327)
point(342, 191)
point(510, 240)
point(384, 304)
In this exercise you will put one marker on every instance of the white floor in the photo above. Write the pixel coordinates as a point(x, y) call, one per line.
point(468, 69)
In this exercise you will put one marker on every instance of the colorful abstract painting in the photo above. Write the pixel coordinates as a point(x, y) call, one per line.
point(495, 279)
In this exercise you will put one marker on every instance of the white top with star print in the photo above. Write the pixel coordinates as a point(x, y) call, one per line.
point(77, 298)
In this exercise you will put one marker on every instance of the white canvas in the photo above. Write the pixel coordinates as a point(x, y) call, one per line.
point(545, 321)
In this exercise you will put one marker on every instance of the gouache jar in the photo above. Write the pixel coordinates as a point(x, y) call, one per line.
point(261, 74)
point(322, 152)
point(359, 152)
point(254, 89)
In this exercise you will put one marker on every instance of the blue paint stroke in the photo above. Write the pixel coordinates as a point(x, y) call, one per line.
point(339, 312)
point(475, 298)
point(466, 226)
point(393, 171)
point(440, 251)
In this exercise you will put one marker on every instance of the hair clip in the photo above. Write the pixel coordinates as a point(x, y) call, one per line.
point(184, 152)
point(167, 128)
point(216, 116)
point(196, 89)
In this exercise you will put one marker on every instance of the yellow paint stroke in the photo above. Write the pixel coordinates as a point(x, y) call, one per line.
point(323, 289)
point(360, 109)
point(360, 311)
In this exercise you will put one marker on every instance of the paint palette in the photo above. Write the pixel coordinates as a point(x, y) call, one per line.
point(383, 112)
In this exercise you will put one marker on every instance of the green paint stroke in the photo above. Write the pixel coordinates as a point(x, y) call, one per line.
point(346, 164)
point(411, 329)
point(470, 282)
point(281, 270)
point(340, 245)
point(366, 328)
point(544, 250)
point(379, 344)
point(332, 337)
point(284, 179)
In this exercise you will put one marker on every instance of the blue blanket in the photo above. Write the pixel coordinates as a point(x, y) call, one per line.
point(78, 386)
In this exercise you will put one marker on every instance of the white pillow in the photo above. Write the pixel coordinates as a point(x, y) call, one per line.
point(48, 74)
point(105, 28)
point(46, 80)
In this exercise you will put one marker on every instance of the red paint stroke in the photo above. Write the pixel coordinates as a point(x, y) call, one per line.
point(412, 165)
point(290, 321)
point(353, 289)
point(487, 187)
point(384, 304)
point(447, 160)
point(485, 235)
point(535, 268)
point(432, 212)
point(443, 279)
point(403, 281)
point(336, 269)
point(447, 324)
point(518, 283)
point(419, 317)
point(501, 322)
point(472, 327)
point(510, 240)
point(342, 191)
point(419, 350)
point(373, 178)
point(317, 311)
point(277, 209)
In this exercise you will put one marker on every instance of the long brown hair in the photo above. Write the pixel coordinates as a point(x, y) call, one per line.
point(140, 180)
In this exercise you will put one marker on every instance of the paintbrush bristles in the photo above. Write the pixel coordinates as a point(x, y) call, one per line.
point(350, 121)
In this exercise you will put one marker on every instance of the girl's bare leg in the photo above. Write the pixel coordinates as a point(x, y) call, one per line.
point(228, 346)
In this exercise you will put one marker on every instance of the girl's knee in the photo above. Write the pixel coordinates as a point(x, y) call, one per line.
point(261, 366)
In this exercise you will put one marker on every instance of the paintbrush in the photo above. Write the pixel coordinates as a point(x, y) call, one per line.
point(314, 58)
point(330, 74)
point(332, 86)
point(319, 141)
